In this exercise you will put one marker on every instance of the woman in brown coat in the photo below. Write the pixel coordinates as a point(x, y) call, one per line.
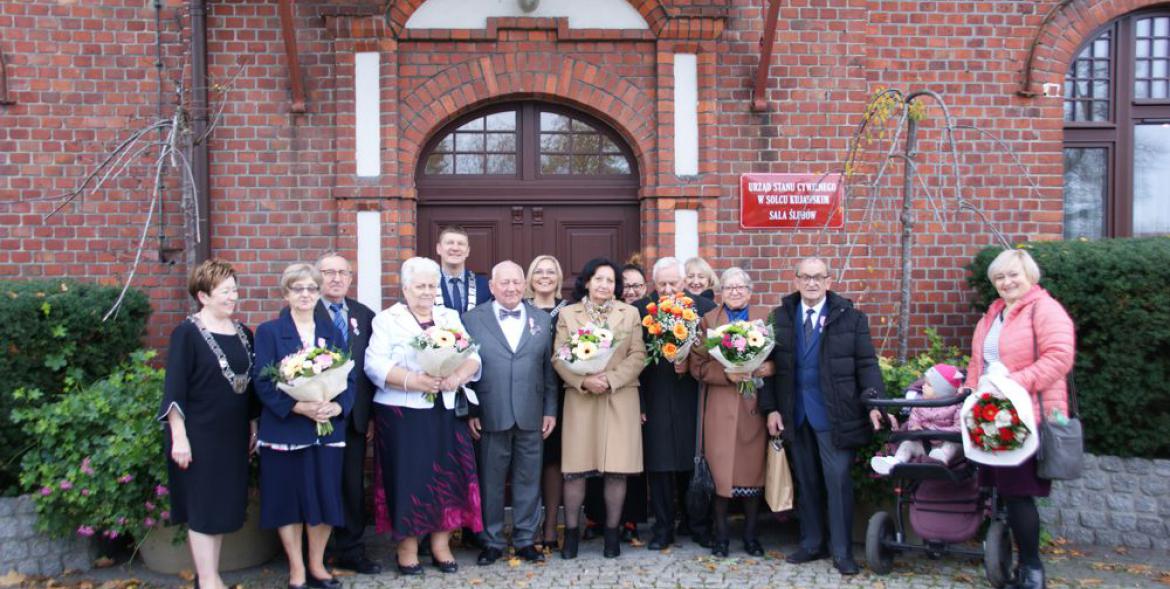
point(602, 431)
point(735, 434)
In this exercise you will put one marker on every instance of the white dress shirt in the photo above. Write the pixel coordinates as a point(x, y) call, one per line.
point(513, 328)
point(816, 316)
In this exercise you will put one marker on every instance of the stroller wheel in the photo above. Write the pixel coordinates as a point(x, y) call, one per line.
point(997, 553)
point(878, 535)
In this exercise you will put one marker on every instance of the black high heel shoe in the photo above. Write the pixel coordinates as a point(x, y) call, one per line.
point(613, 543)
point(720, 548)
point(753, 547)
point(410, 570)
point(445, 566)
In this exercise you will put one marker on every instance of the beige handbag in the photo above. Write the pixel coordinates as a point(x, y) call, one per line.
point(778, 487)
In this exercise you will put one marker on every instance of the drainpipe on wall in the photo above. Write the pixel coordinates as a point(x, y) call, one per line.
point(200, 120)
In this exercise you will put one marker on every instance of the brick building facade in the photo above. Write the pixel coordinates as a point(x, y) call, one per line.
point(81, 76)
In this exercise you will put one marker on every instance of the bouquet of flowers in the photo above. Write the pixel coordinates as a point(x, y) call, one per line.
point(741, 347)
point(671, 323)
point(314, 374)
point(588, 350)
point(998, 423)
point(441, 350)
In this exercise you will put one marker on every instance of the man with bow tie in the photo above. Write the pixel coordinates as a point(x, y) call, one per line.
point(352, 321)
point(518, 404)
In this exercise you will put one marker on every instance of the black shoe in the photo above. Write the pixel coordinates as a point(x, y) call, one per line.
point(752, 546)
point(530, 554)
point(846, 566)
point(660, 543)
point(613, 545)
point(1031, 578)
point(410, 570)
point(315, 583)
point(358, 564)
point(489, 556)
point(720, 548)
point(802, 556)
point(572, 537)
point(445, 566)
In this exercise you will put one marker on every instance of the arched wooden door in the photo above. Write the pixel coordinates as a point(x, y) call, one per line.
point(527, 179)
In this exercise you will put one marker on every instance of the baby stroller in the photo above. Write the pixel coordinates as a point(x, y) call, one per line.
point(945, 503)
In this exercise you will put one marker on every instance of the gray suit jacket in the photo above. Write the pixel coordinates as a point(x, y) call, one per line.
point(515, 388)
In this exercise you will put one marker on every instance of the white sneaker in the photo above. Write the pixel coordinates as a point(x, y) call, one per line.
point(883, 464)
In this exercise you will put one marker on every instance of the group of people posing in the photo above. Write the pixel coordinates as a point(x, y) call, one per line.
point(543, 427)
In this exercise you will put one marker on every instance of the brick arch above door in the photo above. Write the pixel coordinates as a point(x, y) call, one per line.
point(468, 85)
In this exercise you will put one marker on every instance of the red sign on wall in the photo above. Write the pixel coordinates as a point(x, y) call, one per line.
point(790, 201)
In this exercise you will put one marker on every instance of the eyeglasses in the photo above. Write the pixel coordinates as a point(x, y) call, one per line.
point(812, 278)
point(333, 273)
point(311, 289)
point(736, 288)
point(635, 285)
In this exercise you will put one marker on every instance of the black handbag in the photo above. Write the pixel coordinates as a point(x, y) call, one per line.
point(702, 485)
point(1061, 453)
point(464, 408)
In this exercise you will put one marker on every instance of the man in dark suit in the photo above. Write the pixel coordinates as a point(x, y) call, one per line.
point(352, 321)
point(825, 365)
point(517, 392)
point(462, 289)
point(670, 404)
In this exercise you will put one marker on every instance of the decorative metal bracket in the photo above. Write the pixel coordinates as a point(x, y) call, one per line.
point(288, 29)
point(760, 90)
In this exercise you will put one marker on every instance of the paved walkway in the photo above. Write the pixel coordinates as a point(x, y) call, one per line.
point(688, 566)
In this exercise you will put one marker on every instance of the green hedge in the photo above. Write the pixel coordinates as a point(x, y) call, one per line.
point(53, 337)
point(1118, 294)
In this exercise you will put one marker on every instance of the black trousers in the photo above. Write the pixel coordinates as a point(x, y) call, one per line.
point(347, 542)
point(668, 495)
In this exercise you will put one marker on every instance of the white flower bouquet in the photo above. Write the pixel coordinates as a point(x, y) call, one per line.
point(441, 350)
point(741, 347)
point(588, 350)
point(314, 375)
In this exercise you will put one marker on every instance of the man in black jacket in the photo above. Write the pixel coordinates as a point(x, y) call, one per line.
point(352, 319)
point(670, 405)
point(825, 366)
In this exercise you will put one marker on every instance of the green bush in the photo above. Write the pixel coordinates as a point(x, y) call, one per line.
point(97, 464)
point(870, 488)
point(54, 335)
point(1118, 294)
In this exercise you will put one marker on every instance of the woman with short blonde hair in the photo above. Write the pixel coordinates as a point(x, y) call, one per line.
point(700, 280)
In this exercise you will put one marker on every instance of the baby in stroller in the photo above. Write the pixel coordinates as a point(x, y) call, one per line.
point(940, 381)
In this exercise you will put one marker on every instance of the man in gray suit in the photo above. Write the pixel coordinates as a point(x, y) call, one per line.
point(518, 406)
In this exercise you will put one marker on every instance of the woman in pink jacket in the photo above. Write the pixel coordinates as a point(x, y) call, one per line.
point(1030, 333)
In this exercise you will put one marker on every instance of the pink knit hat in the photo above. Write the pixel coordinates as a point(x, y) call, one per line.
point(945, 379)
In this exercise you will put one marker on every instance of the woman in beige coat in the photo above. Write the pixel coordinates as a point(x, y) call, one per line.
point(735, 433)
point(602, 431)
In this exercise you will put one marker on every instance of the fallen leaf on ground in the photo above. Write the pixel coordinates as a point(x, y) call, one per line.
point(343, 573)
point(1121, 550)
point(12, 579)
point(103, 562)
point(475, 582)
point(187, 575)
point(1090, 582)
point(513, 562)
point(636, 543)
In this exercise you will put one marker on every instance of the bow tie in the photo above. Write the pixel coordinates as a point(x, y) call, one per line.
point(504, 313)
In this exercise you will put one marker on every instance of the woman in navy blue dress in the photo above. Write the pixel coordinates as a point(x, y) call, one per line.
point(207, 403)
point(300, 471)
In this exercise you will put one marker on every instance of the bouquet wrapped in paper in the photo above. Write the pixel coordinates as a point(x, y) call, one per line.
point(998, 423)
point(441, 350)
point(671, 324)
point(741, 347)
point(314, 375)
point(588, 350)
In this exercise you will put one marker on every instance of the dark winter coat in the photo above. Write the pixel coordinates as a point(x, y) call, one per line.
point(849, 369)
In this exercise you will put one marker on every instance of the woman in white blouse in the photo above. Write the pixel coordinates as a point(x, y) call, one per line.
point(424, 452)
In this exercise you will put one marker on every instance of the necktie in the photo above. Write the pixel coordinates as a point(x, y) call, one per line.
point(808, 325)
point(339, 321)
point(504, 313)
point(456, 296)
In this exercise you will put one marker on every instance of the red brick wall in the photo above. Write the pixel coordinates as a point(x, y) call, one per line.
point(283, 184)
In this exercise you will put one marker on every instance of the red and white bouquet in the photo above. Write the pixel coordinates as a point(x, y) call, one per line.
point(741, 347)
point(313, 374)
point(441, 350)
point(588, 350)
point(671, 324)
point(998, 423)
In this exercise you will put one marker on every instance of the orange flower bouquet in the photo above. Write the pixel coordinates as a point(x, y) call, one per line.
point(671, 324)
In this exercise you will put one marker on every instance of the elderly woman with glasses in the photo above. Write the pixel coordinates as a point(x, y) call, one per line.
point(735, 434)
point(300, 469)
point(428, 481)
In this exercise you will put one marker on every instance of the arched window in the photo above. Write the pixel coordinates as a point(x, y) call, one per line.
point(1117, 131)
